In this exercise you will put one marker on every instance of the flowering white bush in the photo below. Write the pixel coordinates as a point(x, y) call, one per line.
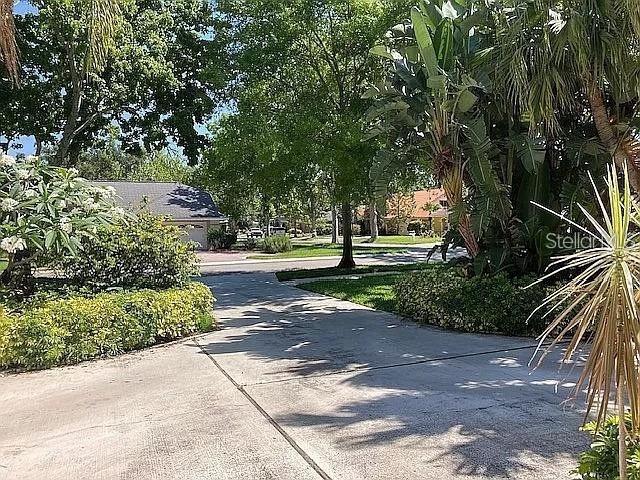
point(48, 210)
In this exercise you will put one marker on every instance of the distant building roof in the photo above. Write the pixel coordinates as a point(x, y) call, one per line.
point(434, 197)
point(174, 200)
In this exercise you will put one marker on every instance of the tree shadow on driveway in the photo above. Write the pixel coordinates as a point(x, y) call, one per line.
point(378, 390)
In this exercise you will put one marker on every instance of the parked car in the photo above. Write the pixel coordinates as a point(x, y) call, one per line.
point(255, 233)
point(278, 231)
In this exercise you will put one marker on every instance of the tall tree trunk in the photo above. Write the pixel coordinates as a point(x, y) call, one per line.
point(70, 127)
point(373, 219)
point(266, 212)
point(334, 224)
point(347, 260)
point(608, 136)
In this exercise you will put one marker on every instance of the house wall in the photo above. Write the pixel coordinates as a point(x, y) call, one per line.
point(196, 230)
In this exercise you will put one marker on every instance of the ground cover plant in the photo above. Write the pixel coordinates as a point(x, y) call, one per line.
point(375, 291)
point(78, 327)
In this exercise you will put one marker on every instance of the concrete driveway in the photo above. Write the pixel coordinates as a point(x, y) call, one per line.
point(295, 386)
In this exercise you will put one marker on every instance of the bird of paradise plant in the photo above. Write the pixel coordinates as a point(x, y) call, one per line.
point(599, 304)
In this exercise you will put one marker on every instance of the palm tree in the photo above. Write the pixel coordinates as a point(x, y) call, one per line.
point(102, 19)
point(578, 57)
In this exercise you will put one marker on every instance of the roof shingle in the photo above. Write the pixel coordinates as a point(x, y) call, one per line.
point(175, 200)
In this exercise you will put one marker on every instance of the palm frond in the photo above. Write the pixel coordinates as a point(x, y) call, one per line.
point(104, 18)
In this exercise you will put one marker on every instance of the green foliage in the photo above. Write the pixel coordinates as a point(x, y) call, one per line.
point(161, 78)
point(600, 462)
point(277, 244)
point(442, 296)
point(221, 239)
point(70, 330)
point(144, 253)
point(47, 211)
point(111, 162)
point(161, 167)
point(298, 116)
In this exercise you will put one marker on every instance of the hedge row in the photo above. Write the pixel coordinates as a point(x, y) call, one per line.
point(70, 330)
point(442, 296)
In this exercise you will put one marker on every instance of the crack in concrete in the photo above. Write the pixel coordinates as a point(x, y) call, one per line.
point(367, 368)
point(305, 456)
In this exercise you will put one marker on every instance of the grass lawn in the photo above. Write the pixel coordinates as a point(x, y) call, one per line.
point(320, 250)
point(406, 240)
point(375, 291)
point(3, 264)
point(332, 271)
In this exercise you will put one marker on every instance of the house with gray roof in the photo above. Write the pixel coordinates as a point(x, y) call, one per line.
point(182, 205)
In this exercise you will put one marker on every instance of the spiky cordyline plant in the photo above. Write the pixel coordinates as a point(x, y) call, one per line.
point(599, 304)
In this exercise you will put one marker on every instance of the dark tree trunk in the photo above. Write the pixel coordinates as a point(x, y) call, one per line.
point(18, 273)
point(347, 239)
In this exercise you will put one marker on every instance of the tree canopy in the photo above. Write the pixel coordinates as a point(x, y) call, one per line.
point(160, 83)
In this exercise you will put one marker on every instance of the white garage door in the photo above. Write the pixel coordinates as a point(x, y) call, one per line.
point(198, 233)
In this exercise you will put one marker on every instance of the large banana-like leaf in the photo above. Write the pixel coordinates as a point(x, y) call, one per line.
point(531, 152)
point(385, 165)
point(425, 42)
point(490, 198)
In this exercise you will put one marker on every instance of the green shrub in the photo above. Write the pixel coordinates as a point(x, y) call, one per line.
point(600, 462)
point(277, 244)
point(324, 229)
point(415, 226)
point(70, 330)
point(145, 253)
point(221, 239)
point(442, 296)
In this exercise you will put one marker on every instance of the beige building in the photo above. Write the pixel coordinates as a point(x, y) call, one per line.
point(182, 205)
point(429, 207)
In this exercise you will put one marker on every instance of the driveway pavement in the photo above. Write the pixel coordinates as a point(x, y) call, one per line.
point(295, 385)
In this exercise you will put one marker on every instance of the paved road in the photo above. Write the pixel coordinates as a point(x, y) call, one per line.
point(414, 254)
point(295, 386)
